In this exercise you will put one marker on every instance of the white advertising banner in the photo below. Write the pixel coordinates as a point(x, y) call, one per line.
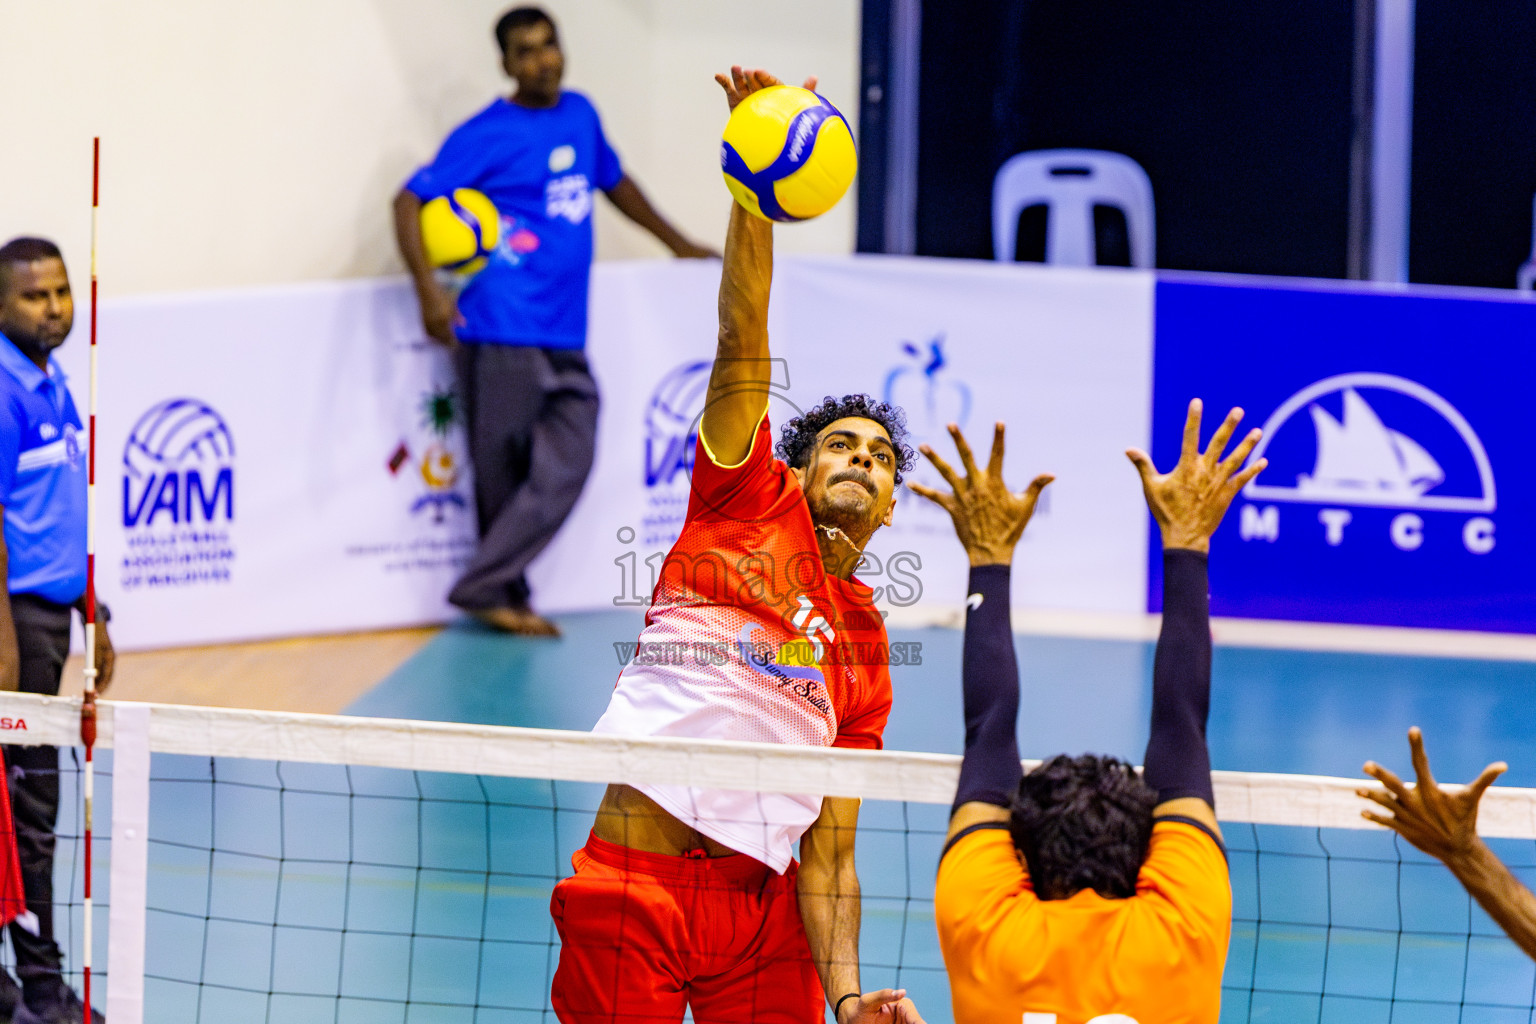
point(274, 462)
point(291, 460)
point(1064, 357)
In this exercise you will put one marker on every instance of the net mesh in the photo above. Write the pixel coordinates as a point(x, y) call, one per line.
point(69, 853)
point(353, 875)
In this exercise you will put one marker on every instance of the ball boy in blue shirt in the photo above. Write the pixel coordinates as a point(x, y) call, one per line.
point(519, 327)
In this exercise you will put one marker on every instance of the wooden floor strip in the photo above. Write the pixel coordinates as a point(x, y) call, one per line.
point(318, 674)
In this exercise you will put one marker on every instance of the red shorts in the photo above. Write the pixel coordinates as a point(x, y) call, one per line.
point(643, 935)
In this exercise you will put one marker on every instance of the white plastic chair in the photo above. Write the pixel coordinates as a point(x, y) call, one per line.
point(1526, 281)
point(1070, 182)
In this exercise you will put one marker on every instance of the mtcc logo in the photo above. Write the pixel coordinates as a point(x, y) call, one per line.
point(1376, 441)
point(178, 467)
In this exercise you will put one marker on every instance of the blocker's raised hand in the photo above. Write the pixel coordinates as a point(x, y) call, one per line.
point(743, 82)
point(988, 517)
point(1442, 824)
point(1189, 501)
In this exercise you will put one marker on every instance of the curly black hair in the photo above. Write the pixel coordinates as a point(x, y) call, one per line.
point(797, 439)
point(1083, 823)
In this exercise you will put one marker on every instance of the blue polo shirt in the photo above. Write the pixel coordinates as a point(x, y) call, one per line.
point(42, 479)
point(539, 167)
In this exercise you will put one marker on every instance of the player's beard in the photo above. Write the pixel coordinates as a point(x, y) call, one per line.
point(853, 513)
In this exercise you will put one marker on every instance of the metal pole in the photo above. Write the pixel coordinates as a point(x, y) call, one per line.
point(901, 102)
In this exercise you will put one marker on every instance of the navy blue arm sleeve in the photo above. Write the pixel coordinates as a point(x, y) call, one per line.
point(990, 771)
point(1178, 763)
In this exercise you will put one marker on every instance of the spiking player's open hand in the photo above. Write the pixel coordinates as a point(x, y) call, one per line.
point(1189, 501)
point(743, 82)
point(988, 517)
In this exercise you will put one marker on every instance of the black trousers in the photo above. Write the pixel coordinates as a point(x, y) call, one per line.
point(532, 420)
point(42, 635)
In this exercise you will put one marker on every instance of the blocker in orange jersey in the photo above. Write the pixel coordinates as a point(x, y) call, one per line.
point(647, 934)
point(1012, 956)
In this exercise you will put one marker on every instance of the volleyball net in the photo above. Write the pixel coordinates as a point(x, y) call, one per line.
point(306, 868)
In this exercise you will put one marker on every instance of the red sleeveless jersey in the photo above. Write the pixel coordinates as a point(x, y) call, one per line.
point(748, 638)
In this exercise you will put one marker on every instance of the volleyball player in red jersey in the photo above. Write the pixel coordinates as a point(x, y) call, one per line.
point(690, 898)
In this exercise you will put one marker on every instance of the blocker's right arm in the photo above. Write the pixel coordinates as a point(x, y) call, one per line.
point(438, 311)
point(1188, 503)
point(743, 372)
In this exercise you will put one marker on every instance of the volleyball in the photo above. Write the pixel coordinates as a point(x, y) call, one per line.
point(787, 154)
point(460, 230)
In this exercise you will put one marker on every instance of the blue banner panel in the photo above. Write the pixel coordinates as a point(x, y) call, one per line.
point(1401, 489)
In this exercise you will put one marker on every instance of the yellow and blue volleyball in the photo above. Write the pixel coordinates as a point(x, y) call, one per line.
point(460, 230)
point(787, 154)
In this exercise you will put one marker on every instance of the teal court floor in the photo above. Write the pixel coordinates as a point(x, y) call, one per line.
point(298, 893)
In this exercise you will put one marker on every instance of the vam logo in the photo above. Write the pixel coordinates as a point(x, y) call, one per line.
point(178, 466)
point(1376, 441)
point(672, 423)
point(671, 437)
point(178, 497)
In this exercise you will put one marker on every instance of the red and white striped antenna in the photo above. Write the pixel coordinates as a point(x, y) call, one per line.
point(88, 706)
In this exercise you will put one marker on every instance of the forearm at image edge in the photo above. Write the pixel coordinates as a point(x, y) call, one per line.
point(10, 652)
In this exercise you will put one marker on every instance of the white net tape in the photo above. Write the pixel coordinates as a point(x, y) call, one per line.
point(502, 751)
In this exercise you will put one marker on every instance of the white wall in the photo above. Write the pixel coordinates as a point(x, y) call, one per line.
point(258, 143)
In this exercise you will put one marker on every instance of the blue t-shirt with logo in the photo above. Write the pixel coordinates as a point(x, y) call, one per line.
point(539, 167)
point(42, 479)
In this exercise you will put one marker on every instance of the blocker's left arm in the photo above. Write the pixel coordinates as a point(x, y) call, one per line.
point(632, 203)
point(989, 520)
point(830, 908)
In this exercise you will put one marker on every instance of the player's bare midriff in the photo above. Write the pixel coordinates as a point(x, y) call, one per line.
point(630, 818)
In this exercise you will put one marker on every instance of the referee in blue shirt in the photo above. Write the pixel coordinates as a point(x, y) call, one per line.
point(519, 327)
point(42, 507)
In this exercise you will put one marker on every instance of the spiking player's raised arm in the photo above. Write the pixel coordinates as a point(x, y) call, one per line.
point(743, 370)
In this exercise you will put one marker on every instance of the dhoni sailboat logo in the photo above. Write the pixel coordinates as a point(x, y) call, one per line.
point(1366, 460)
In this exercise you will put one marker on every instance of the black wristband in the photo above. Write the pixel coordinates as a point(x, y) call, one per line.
point(839, 1004)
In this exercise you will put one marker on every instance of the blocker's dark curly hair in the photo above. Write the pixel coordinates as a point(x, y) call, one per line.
point(797, 439)
point(1083, 823)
